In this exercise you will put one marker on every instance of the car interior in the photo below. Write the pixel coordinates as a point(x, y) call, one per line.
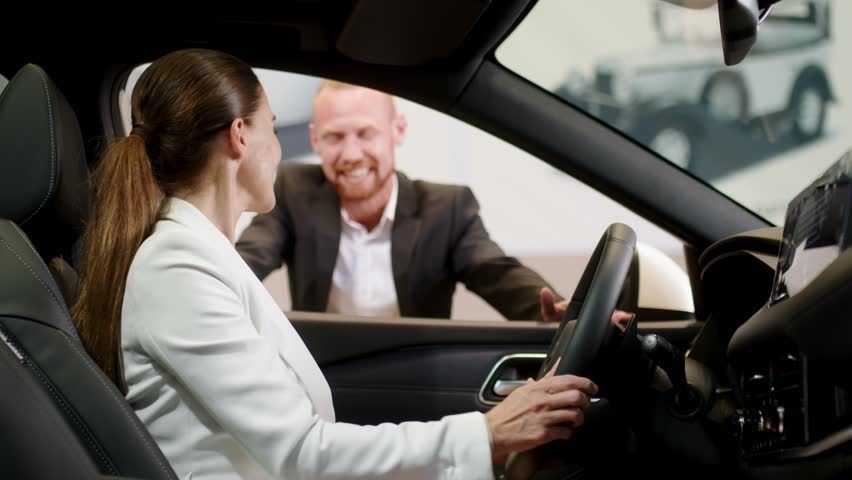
point(749, 385)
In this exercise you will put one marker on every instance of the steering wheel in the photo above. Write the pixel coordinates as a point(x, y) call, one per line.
point(592, 304)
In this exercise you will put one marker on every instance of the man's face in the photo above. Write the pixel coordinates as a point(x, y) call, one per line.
point(355, 131)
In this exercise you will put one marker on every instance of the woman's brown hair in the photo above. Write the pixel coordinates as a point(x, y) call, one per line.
point(178, 106)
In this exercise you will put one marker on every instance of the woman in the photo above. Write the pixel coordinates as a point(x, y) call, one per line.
point(214, 369)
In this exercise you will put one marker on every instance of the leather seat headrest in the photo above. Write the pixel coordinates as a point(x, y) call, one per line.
point(43, 169)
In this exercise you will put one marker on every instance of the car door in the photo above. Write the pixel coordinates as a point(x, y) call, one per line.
point(398, 369)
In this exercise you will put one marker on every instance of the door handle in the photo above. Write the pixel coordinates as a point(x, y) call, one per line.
point(505, 387)
point(508, 374)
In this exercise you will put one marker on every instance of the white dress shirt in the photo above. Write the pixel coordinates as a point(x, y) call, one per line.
point(228, 390)
point(362, 282)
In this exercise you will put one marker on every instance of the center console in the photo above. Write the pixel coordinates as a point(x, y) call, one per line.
point(791, 411)
point(790, 357)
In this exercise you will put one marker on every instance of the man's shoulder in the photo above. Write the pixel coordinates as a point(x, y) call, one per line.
point(438, 195)
point(300, 173)
point(296, 179)
point(436, 190)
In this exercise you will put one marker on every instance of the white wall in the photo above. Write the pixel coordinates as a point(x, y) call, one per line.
point(549, 220)
point(529, 207)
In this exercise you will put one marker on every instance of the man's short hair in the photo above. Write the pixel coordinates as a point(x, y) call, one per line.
point(328, 84)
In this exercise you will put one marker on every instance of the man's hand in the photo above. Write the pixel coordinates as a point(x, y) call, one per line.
point(551, 310)
point(621, 318)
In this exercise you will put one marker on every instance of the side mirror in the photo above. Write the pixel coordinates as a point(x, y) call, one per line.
point(657, 282)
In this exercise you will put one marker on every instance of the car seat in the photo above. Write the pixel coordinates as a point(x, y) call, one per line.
point(43, 200)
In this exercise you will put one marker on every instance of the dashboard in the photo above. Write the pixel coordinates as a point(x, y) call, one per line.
point(777, 305)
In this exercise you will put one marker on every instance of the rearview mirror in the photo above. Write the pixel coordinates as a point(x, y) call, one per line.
point(738, 22)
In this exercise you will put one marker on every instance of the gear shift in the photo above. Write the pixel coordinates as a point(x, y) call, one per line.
point(671, 360)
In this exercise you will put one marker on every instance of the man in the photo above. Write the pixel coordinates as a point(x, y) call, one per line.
point(360, 238)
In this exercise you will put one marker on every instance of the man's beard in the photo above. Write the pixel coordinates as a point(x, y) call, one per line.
point(361, 191)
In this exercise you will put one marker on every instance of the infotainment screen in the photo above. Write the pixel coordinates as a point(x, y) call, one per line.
point(816, 230)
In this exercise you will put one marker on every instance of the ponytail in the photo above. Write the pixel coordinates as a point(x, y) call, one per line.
point(126, 202)
point(177, 107)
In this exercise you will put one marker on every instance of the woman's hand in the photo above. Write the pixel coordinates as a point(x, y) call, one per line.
point(538, 412)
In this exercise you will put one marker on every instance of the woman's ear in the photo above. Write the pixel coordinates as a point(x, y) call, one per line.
point(237, 139)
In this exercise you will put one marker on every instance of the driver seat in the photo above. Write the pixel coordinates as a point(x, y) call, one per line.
point(43, 199)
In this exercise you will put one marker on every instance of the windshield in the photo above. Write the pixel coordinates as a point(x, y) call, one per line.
point(758, 132)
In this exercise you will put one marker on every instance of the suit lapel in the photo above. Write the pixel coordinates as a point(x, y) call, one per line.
point(326, 242)
point(406, 229)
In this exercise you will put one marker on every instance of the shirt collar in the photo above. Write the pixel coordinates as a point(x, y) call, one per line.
point(390, 208)
point(389, 213)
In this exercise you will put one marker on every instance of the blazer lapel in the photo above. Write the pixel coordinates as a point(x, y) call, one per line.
point(295, 353)
point(406, 229)
point(268, 318)
point(326, 243)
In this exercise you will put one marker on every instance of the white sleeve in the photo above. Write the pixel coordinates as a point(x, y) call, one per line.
point(194, 323)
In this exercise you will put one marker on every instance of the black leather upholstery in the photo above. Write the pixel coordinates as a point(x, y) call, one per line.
point(29, 417)
point(35, 184)
point(43, 170)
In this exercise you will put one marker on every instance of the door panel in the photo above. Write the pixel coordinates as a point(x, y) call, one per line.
point(393, 370)
point(414, 383)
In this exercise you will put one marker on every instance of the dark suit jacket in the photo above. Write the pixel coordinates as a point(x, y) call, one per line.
point(438, 239)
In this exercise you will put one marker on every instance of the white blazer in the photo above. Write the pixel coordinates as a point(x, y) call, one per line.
point(228, 389)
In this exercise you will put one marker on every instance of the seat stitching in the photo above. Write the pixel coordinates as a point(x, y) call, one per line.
point(61, 305)
point(69, 413)
point(86, 358)
point(111, 389)
point(40, 260)
point(43, 284)
point(52, 143)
